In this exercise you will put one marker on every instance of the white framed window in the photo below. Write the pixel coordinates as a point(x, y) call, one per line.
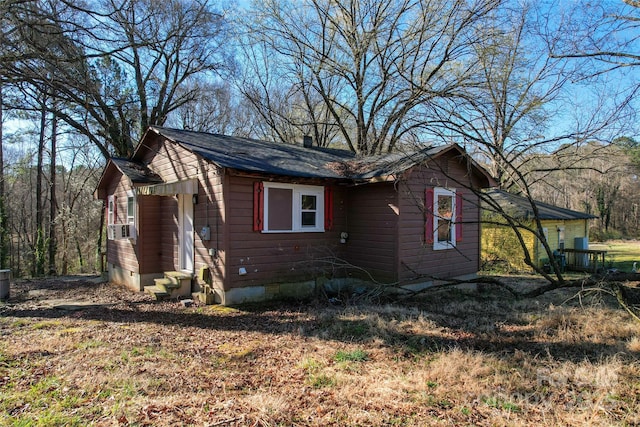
point(121, 230)
point(444, 226)
point(111, 217)
point(111, 210)
point(293, 208)
point(131, 209)
point(129, 229)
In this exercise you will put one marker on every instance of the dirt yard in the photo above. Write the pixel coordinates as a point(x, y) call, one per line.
point(78, 352)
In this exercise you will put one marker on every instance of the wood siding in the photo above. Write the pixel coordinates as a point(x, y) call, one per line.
point(385, 223)
point(209, 212)
point(173, 163)
point(149, 247)
point(373, 229)
point(270, 258)
point(121, 252)
point(572, 229)
point(418, 260)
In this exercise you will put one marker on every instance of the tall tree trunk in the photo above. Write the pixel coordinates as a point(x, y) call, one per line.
point(65, 246)
point(100, 252)
point(53, 202)
point(4, 217)
point(80, 257)
point(39, 239)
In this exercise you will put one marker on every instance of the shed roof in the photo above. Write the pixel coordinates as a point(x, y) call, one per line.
point(520, 207)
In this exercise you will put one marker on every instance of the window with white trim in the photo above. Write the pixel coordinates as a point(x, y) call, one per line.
point(111, 210)
point(293, 208)
point(444, 226)
point(111, 217)
point(131, 210)
point(128, 230)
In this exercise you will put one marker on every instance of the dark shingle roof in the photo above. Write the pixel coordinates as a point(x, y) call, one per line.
point(259, 156)
point(253, 155)
point(136, 172)
point(520, 207)
point(393, 163)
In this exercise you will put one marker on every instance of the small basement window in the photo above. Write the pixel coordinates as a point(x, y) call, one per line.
point(293, 208)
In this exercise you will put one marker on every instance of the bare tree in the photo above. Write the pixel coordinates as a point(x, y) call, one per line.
point(377, 66)
point(604, 31)
point(511, 115)
point(4, 218)
point(519, 104)
point(52, 239)
point(284, 100)
point(601, 182)
point(78, 215)
point(116, 67)
point(604, 37)
point(39, 225)
point(215, 109)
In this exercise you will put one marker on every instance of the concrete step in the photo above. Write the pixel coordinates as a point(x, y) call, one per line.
point(157, 292)
point(177, 275)
point(166, 284)
point(181, 283)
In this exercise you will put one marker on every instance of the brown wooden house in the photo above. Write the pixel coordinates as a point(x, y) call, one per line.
point(244, 220)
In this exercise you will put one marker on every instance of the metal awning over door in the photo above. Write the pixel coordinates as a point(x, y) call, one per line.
point(187, 186)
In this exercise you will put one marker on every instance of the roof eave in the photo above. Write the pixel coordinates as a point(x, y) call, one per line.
point(142, 139)
point(100, 193)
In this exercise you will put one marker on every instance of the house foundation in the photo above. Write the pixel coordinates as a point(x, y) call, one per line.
point(132, 280)
point(246, 294)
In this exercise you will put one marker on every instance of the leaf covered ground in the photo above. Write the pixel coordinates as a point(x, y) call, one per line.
point(78, 352)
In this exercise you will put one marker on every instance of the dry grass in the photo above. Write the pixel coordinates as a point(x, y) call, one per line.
point(455, 357)
point(621, 254)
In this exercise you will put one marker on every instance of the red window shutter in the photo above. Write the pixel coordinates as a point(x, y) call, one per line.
point(258, 206)
point(428, 216)
point(458, 216)
point(328, 208)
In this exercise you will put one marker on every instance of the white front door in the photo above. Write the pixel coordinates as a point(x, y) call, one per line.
point(185, 220)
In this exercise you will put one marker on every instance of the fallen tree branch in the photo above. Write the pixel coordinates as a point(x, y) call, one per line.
point(610, 282)
point(622, 295)
point(594, 280)
point(455, 282)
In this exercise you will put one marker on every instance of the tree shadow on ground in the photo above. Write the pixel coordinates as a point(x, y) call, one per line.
point(484, 325)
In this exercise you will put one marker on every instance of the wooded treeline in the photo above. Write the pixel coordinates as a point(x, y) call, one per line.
point(541, 93)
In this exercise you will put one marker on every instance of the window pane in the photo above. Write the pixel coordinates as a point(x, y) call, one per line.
point(280, 204)
point(308, 202)
point(444, 230)
point(445, 217)
point(110, 219)
point(308, 219)
point(445, 206)
point(130, 206)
